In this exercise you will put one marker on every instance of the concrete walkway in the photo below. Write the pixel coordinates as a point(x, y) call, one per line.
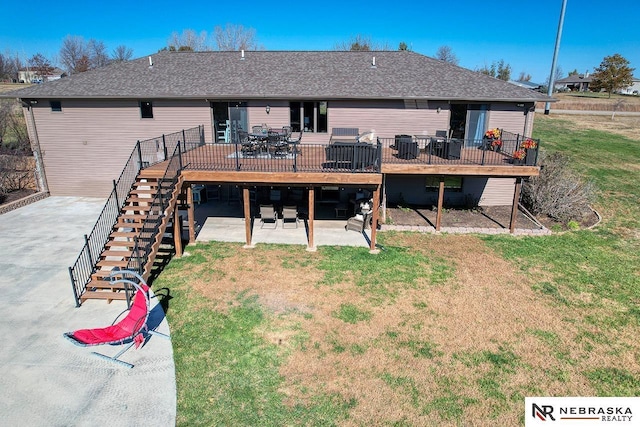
point(46, 380)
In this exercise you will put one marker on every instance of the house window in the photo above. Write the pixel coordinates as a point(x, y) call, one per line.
point(146, 110)
point(309, 116)
point(452, 183)
point(56, 106)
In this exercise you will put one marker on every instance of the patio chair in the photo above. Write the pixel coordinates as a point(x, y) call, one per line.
point(294, 142)
point(268, 214)
point(131, 330)
point(289, 213)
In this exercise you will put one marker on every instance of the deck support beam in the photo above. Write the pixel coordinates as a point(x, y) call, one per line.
point(177, 232)
point(191, 215)
point(247, 216)
point(312, 206)
point(374, 220)
point(440, 203)
point(514, 207)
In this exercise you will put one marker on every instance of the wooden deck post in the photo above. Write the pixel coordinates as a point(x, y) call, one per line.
point(177, 232)
point(374, 220)
point(191, 215)
point(514, 207)
point(247, 216)
point(440, 203)
point(312, 214)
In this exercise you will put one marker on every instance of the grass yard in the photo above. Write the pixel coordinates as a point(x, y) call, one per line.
point(435, 330)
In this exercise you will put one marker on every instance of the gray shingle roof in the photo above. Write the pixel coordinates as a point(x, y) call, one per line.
point(283, 75)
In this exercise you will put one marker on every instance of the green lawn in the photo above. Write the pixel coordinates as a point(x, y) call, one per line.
point(436, 330)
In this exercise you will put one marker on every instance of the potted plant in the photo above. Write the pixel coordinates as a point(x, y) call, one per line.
point(530, 146)
point(488, 138)
point(496, 145)
point(519, 156)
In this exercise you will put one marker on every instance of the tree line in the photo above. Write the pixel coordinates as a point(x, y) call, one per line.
point(77, 55)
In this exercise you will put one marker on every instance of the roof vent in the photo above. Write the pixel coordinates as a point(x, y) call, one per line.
point(373, 62)
point(150, 62)
point(242, 54)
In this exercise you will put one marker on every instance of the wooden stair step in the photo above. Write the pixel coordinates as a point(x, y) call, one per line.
point(131, 225)
point(120, 244)
point(122, 254)
point(104, 295)
point(104, 284)
point(127, 234)
point(112, 263)
point(135, 199)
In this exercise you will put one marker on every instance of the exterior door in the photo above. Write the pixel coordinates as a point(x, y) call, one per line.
point(238, 119)
point(476, 124)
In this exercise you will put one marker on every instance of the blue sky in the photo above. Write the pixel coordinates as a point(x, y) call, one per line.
point(521, 33)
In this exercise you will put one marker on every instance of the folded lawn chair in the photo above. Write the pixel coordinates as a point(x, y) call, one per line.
point(131, 330)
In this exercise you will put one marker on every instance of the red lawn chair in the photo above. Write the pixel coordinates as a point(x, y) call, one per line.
point(131, 330)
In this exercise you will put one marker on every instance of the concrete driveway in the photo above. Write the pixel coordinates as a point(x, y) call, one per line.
point(44, 379)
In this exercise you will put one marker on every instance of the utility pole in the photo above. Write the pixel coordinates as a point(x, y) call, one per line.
point(552, 79)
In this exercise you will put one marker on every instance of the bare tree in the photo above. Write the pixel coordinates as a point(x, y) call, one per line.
point(361, 43)
point(40, 65)
point(445, 53)
point(97, 53)
point(235, 37)
point(71, 54)
point(121, 53)
point(10, 64)
point(558, 191)
point(189, 40)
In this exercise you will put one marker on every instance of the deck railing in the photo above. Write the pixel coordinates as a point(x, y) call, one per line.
point(144, 153)
point(352, 158)
point(441, 150)
point(143, 244)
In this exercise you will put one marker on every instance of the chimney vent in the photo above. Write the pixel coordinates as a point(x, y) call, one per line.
point(150, 62)
point(373, 62)
point(242, 54)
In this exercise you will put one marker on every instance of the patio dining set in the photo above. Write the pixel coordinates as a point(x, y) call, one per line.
point(264, 141)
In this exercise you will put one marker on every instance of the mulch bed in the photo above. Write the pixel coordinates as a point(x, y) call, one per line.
point(16, 195)
point(481, 217)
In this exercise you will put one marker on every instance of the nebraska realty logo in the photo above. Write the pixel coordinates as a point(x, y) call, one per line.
point(582, 411)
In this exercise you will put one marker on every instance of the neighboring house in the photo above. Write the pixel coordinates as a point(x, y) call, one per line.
point(87, 124)
point(634, 89)
point(574, 83)
point(29, 76)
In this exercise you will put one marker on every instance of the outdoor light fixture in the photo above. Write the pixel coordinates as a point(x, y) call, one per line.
point(267, 109)
point(439, 109)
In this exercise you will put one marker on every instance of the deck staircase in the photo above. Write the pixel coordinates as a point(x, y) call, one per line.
point(136, 236)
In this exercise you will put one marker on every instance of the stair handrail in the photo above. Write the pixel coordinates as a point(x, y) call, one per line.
point(144, 154)
point(137, 262)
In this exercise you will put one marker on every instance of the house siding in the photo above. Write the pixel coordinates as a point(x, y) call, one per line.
point(507, 117)
point(85, 161)
point(483, 191)
point(389, 118)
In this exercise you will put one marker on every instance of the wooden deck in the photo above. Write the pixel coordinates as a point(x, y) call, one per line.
point(308, 165)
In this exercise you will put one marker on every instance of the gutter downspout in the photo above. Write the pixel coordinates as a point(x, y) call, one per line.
point(37, 152)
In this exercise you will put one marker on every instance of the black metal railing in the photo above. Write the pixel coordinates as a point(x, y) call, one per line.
point(337, 157)
point(441, 150)
point(145, 153)
point(150, 230)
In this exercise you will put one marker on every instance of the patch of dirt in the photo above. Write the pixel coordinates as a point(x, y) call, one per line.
point(429, 342)
point(481, 217)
